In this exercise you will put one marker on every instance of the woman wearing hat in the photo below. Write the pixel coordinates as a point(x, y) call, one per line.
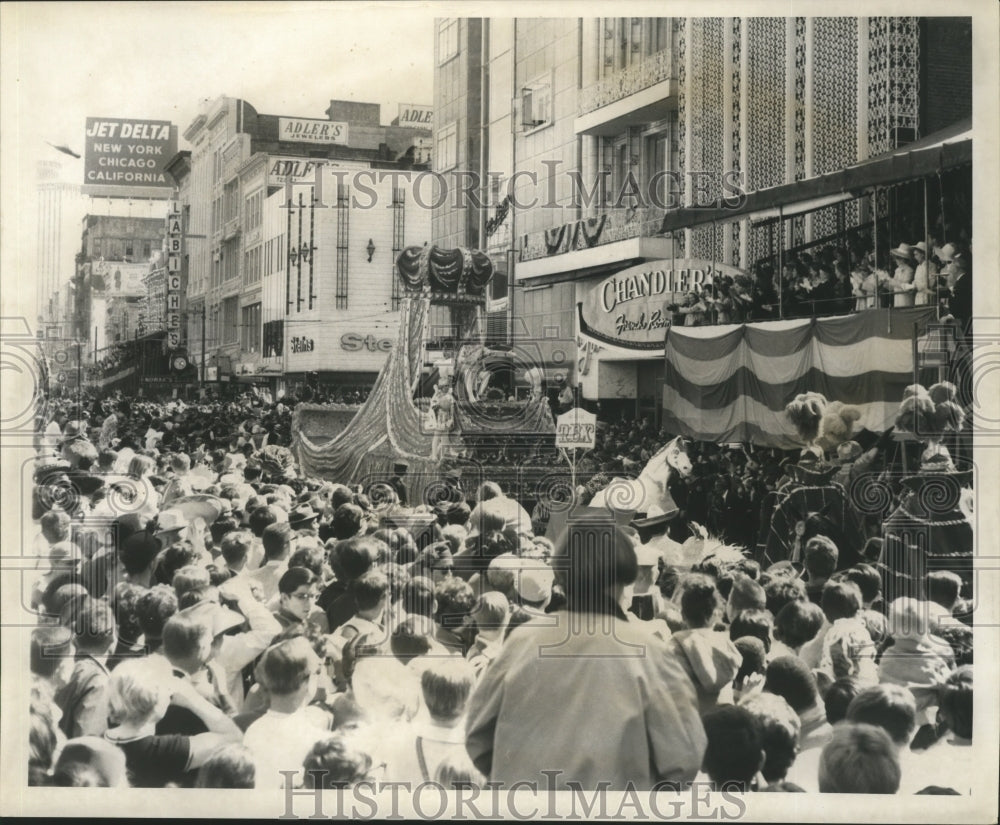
point(693, 309)
point(901, 282)
point(924, 276)
point(864, 285)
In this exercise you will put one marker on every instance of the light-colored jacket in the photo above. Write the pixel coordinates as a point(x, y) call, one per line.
point(601, 703)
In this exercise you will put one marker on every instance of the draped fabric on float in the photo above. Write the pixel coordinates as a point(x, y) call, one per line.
point(388, 427)
point(732, 383)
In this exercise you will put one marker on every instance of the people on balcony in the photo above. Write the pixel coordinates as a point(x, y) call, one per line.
point(924, 276)
point(902, 283)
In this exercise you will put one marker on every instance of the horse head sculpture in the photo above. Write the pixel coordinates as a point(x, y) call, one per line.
point(650, 488)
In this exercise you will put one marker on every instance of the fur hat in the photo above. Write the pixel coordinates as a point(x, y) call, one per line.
point(805, 412)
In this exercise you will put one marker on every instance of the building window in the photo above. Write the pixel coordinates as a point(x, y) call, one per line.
point(273, 339)
point(446, 147)
point(253, 210)
point(536, 104)
point(129, 247)
point(398, 232)
point(250, 329)
point(447, 39)
point(230, 322)
point(343, 235)
point(230, 260)
point(656, 161)
point(231, 203)
point(95, 248)
point(147, 250)
point(251, 266)
point(626, 41)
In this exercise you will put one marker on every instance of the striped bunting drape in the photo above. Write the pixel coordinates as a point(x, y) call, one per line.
point(732, 383)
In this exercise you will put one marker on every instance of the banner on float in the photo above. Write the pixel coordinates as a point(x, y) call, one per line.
point(731, 383)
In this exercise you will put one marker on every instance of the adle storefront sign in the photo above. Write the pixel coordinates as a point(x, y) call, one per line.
point(629, 309)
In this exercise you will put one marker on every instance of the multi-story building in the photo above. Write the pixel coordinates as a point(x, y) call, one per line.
point(330, 292)
point(239, 160)
point(115, 257)
point(592, 131)
point(61, 207)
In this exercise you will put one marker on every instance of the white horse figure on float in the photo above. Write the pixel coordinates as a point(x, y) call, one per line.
point(649, 491)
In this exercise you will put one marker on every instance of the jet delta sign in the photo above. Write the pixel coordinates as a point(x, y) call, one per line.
point(629, 309)
point(128, 158)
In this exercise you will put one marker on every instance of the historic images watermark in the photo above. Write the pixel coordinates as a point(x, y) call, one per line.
point(522, 801)
point(534, 189)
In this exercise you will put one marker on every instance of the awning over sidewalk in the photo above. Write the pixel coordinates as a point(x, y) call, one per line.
point(946, 149)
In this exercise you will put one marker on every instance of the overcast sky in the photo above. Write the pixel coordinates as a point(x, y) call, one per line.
point(158, 60)
point(63, 62)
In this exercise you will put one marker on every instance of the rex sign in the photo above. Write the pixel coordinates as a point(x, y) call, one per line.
point(576, 428)
point(128, 158)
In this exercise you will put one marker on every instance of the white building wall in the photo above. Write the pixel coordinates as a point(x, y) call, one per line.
point(369, 313)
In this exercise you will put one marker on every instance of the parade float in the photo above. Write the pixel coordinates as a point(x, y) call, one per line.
point(472, 419)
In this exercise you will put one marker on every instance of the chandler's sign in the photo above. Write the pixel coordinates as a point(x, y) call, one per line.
point(629, 309)
point(302, 130)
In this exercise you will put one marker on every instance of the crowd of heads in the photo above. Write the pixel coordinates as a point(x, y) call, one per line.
point(829, 279)
point(210, 617)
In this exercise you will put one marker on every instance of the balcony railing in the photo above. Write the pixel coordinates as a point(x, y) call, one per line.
point(613, 224)
point(647, 72)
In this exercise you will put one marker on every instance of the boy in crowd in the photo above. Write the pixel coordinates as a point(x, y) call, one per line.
point(284, 735)
point(796, 624)
point(489, 620)
point(780, 728)
point(735, 751)
point(917, 660)
point(296, 595)
point(819, 558)
point(84, 699)
point(847, 647)
point(859, 758)
point(278, 540)
point(869, 582)
point(370, 592)
point(423, 745)
point(187, 644)
point(708, 656)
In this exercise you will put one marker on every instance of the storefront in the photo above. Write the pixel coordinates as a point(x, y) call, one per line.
point(622, 321)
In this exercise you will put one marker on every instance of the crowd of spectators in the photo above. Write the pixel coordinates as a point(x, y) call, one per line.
point(836, 280)
point(242, 626)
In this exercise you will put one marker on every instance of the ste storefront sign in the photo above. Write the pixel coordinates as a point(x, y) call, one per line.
point(629, 308)
point(576, 428)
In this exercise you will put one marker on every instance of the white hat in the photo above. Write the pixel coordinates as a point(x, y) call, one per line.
point(647, 556)
point(904, 250)
point(946, 254)
point(170, 520)
point(534, 580)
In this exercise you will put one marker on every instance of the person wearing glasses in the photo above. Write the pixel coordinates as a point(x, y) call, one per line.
point(296, 597)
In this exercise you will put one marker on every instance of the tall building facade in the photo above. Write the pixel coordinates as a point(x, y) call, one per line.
point(60, 207)
point(239, 167)
point(600, 127)
point(116, 255)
